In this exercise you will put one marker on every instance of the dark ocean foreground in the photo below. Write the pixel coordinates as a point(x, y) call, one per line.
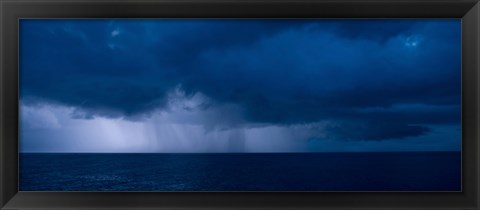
point(398, 171)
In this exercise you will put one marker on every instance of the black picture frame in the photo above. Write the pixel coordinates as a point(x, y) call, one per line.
point(12, 10)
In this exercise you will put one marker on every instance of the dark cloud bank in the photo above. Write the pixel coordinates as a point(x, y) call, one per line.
point(376, 79)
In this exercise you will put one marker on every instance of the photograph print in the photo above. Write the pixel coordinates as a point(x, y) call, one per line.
point(240, 105)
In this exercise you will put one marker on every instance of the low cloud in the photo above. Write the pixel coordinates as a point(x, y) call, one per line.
point(373, 131)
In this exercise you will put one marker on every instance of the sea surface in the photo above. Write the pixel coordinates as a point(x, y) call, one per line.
point(397, 171)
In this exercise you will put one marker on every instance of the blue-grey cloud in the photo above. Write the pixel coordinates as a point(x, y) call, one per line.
point(373, 131)
point(278, 71)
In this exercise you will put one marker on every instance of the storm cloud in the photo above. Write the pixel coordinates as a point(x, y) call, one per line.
point(371, 80)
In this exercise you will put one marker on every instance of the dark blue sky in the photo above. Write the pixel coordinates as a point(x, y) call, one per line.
point(240, 85)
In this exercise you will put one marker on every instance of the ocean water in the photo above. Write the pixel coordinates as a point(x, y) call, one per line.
point(397, 171)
